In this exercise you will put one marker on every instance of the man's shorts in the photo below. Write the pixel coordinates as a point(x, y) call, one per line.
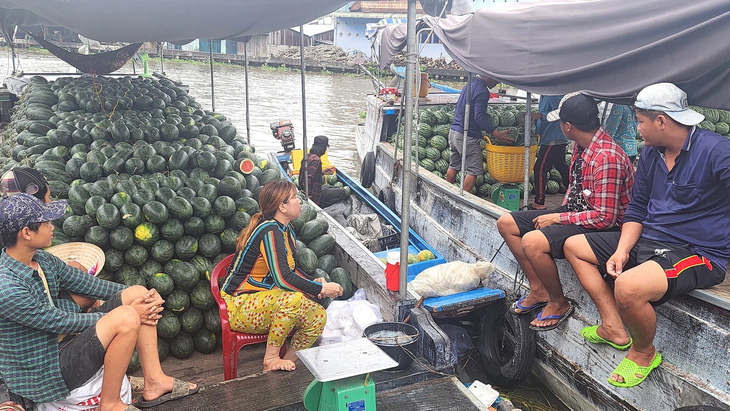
point(82, 355)
point(473, 153)
point(685, 270)
point(556, 234)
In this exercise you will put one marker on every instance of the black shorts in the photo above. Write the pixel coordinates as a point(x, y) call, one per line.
point(82, 355)
point(556, 234)
point(685, 269)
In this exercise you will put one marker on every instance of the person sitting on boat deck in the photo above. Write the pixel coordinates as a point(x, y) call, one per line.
point(598, 193)
point(47, 349)
point(551, 152)
point(263, 290)
point(322, 194)
point(676, 231)
point(619, 121)
point(31, 181)
point(478, 122)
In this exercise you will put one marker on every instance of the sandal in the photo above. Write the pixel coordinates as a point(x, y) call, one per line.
point(590, 335)
point(628, 370)
point(524, 309)
point(180, 389)
point(560, 317)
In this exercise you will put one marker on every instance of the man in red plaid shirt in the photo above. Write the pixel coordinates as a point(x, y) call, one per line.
point(601, 176)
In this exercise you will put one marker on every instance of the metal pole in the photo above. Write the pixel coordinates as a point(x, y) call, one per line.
point(245, 70)
point(304, 109)
point(467, 113)
point(134, 69)
point(528, 136)
point(411, 55)
point(212, 89)
point(162, 58)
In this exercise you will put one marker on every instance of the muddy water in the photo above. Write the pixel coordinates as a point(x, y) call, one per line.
point(333, 102)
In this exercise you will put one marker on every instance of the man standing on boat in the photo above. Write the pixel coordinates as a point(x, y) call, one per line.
point(478, 122)
point(551, 152)
point(675, 237)
point(598, 193)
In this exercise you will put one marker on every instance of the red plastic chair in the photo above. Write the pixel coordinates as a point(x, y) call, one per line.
point(233, 341)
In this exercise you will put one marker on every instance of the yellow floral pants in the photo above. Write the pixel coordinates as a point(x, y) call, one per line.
point(277, 313)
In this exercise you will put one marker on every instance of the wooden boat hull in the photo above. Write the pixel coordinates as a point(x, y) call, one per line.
point(693, 331)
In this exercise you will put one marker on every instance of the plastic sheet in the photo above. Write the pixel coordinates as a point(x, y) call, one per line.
point(346, 320)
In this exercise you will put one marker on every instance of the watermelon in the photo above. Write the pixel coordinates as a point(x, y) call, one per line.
point(136, 255)
point(161, 282)
point(205, 341)
point(191, 320)
point(155, 212)
point(162, 251)
point(182, 345)
point(201, 296)
point(306, 260)
point(327, 263)
point(150, 268)
point(213, 320)
point(313, 229)
point(322, 245)
point(146, 234)
point(342, 277)
point(186, 247)
point(194, 226)
point(178, 301)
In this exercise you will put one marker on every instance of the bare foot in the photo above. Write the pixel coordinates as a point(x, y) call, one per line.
point(279, 364)
point(154, 389)
point(538, 206)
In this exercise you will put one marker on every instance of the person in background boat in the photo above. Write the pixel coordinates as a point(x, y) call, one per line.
point(675, 234)
point(46, 350)
point(478, 122)
point(31, 181)
point(598, 193)
point(619, 121)
point(264, 292)
point(323, 195)
point(551, 152)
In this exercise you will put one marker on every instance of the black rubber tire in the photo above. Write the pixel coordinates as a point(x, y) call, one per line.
point(387, 197)
point(507, 345)
point(367, 170)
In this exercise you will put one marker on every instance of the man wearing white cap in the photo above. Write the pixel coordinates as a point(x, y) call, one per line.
point(676, 232)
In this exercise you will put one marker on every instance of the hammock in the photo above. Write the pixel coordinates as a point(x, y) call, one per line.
point(100, 63)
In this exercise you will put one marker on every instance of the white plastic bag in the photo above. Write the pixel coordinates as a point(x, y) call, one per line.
point(87, 396)
point(450, 278)
point(346, 320)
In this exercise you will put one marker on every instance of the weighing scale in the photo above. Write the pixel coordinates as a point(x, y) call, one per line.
point(342, 375)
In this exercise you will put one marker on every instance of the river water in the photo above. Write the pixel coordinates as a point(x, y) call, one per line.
point(333, 101)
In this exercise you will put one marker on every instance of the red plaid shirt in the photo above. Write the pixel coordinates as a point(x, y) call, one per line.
point(607, 179)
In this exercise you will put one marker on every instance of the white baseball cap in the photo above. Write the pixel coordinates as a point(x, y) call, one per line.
point(671, 100)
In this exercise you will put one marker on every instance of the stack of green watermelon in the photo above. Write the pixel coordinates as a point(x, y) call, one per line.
point(315, 252)
point(162, 186)
point(432, 145)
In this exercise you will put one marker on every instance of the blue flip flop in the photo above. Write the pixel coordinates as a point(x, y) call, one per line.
point(560, 317)
point(517, 305)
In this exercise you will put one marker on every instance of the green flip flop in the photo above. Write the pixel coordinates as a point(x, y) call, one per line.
point(628, 370)
point(590, 335)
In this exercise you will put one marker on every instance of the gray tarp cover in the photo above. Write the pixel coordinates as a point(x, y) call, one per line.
point(607, 48)
point(136, 21)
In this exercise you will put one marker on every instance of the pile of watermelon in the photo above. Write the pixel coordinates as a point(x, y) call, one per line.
point(162, 186)
point(433, 145)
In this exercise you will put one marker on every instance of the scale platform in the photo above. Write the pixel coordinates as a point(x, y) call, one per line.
point(345, 359)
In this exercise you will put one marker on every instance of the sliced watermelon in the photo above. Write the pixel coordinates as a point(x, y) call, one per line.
point(246, 166)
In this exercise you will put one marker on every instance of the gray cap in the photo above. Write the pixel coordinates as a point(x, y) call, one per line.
point(671, 100)
point(17, 211)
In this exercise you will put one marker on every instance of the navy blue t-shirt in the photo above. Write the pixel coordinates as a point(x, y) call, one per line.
point(478, 120)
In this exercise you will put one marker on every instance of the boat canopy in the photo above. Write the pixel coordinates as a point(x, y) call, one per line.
point(610, 49)
point(176, 21)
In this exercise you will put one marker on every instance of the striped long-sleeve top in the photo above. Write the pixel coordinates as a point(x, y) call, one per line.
point(267, 262)
point(30, 324)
